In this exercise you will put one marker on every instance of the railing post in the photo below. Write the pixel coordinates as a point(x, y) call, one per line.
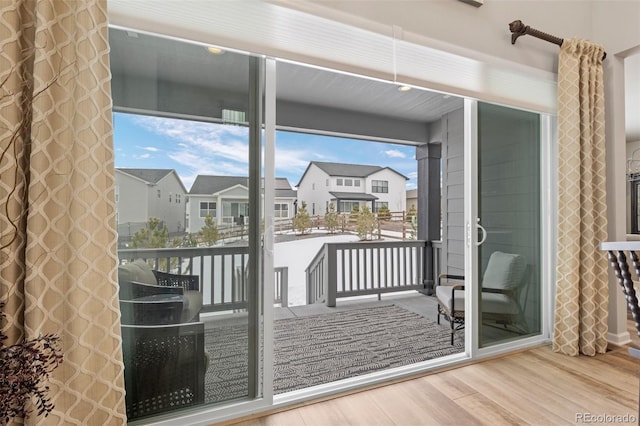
point(427, 262)
point(284, 287)
point(330, 274)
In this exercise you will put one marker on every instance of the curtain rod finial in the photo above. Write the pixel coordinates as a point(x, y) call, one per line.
point(517, 29)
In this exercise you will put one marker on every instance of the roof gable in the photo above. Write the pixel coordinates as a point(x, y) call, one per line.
point(152, 176)
point(347, 170)
point(207, 184)
point(147, 175)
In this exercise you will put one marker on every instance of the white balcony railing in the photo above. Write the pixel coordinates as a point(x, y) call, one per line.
point(362, 268)
point(222, 272)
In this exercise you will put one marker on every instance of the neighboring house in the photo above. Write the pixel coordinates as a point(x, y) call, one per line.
point(285, 199)
point(348, 185)
point(412, 198)
point(144, 193)
point(226, 198)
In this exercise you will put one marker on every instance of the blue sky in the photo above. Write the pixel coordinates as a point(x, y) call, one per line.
point(193, 148)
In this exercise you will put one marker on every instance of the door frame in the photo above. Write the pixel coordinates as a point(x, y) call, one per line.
point(548, 218)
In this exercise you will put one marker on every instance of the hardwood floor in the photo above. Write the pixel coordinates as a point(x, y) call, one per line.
point(535, 386)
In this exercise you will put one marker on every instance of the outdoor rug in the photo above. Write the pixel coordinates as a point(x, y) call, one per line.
point(319, 349)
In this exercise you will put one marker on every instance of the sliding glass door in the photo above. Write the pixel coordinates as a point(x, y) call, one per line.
point(187, 136)
point(504, 223)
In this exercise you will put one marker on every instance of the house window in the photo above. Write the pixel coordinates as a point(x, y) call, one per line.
point(170, 197)
point(356, 182)
point(159, 193)
point(327, 182)
point(339, 181)
point(178, 198)
point(347, 206)
point(313, 186)
point(207, 208)
point(348, 182)
point(117, 194)
point(380, 186)
point(281, 210)
point(378, 204)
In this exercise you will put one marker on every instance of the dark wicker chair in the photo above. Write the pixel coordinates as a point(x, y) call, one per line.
point(164, 367)
point(130, 290)
point(152, 310)
point(187, 282)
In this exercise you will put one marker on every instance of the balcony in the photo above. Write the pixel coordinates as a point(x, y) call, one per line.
point(391, 270)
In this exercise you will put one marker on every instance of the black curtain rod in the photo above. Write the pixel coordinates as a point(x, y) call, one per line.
point(518, 29)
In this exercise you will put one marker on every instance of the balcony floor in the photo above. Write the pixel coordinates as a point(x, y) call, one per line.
point(425, 306)
point(308, 362)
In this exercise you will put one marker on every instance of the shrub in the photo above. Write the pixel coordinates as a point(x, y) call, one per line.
point(331, 219)
point(302, 221)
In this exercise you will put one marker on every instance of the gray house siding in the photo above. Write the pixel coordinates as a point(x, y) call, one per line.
point(453, 193)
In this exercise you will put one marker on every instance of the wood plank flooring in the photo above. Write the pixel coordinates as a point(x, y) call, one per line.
point(534, 387)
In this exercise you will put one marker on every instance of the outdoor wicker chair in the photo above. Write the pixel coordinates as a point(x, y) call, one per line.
point(152, 310)
point(138, 280)
point(165, 367)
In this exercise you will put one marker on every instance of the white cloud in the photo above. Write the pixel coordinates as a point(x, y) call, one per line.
point(411, 185)
point(149, 148)
point(142, 156)
point(394, 153)
point(292, 160)
point(412, 175)
point(203, 148)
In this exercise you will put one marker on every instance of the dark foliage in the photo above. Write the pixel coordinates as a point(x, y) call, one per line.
point(23, 369)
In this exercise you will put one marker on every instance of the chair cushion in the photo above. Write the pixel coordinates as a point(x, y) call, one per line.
point(138, 271)
point(497, 303)
point(504, 271)
point(192, 306)
point(443, 293)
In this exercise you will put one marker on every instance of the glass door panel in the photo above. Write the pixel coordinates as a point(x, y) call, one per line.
point(187, 126)
point(509, 223)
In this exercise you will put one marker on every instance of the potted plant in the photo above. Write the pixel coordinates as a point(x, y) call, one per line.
point(24, 369)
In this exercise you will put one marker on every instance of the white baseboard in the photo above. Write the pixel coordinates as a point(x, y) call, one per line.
point(619, 339)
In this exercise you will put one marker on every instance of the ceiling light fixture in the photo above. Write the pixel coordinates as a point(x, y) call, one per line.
point(215, 50)
point(400, 87)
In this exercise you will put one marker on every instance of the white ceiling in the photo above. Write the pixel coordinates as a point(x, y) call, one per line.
point(199, 80)
point(171, 60)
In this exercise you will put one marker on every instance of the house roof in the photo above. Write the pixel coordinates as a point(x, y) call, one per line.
point(151, 176)
point(147, 175)
point(347, 170)
point(206, 184)
point(360, 196)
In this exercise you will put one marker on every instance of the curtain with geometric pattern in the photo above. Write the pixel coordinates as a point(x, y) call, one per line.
point(57, 211)
point(582, 277)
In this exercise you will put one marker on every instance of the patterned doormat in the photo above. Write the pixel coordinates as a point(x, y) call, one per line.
point(319, 349)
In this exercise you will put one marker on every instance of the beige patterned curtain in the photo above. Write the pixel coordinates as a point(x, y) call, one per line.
point(57, 216)
point(582, 276)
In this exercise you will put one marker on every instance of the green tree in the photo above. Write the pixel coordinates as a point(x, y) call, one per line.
point(154, 235)
point(188, 241)
point(331, 219)
point(384, 213)
point(412, 213)
point(355, 212)
point(302, 221)
point(366, 224)
point(209, 232)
